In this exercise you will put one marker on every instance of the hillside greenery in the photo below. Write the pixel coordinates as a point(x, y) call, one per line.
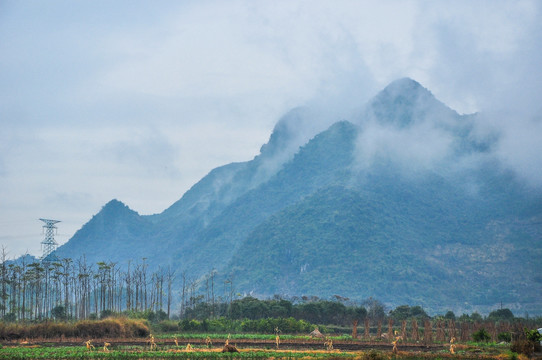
point(339, 215)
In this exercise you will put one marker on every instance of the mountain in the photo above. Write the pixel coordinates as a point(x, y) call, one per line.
point(398, 242)
point(104, 236)
point(405, 102)
point(405, 202)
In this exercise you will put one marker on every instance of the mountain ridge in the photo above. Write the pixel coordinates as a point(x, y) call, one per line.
point(405, 222)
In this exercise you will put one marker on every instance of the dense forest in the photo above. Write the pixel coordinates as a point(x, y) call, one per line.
point(75, 290)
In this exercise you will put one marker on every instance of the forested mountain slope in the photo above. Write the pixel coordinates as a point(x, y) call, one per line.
point(404, 202)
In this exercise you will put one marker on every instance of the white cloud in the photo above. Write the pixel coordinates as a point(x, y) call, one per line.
point(413, 150)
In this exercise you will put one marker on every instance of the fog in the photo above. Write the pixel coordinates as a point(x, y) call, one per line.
point(137, 101)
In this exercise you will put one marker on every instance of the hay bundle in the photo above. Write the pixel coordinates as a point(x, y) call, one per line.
point(316, 333)
point(229, 348)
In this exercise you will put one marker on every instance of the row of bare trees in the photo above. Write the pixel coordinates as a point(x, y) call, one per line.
point(70, 289)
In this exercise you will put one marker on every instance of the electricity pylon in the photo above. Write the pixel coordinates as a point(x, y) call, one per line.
point(48, 245)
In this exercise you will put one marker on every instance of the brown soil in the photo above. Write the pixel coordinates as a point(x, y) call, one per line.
point(293, 344)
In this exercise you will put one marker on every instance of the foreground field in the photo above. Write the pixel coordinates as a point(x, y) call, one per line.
point(248, 353)
point(289, 348)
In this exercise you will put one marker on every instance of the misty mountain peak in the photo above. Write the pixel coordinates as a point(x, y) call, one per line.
point(117, 209)
point(404, 102)
point(358, 191)
point(405, 90)
point(405, 84)
point(114, 204)
point(286, 131)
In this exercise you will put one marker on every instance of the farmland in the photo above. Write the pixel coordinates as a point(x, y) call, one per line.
point(250, 346)
point(348, 332)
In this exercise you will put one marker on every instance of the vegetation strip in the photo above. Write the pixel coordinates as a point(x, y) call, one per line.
point(69, 353)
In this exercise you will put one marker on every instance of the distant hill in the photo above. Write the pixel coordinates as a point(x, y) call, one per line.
point(404, 202)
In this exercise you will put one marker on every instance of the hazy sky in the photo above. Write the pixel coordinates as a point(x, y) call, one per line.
point(137, 100)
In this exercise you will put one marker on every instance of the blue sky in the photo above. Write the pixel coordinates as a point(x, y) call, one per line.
point(137, 100)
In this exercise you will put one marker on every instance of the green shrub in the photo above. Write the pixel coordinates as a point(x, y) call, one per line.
point(190, 325)
point(106, 313)
point(504, 336)
point(168, 326)
point(268, 326)
point(535, 338)
point(533, 335)
point(10, 317)
point(500, 315)
point(156, 317)
point(59, 312)
point(264, 326)
point(481, 336)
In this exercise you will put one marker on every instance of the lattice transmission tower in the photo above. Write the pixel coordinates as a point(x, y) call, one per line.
point(48, 245)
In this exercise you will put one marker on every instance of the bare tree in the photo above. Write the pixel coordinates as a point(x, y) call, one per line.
point(170, 277)
point(4, 281)
point(183, 293)
point(128, 281)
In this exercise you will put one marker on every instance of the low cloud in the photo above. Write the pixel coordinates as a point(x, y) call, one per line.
point(519, 145)
point(491, 58)
point(146, 153)
point(419, 148)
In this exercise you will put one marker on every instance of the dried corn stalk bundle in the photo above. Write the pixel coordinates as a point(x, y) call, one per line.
point(390, 328)
point(328, 344)
point(394, 342)
point(465, 331)
point(415, 334)
point(427, 332)
point(452, 332)
point(152, 344)
point(89, 345)
point(355, 329)
point(492, 329)
point(452, 345)
point(441, 334)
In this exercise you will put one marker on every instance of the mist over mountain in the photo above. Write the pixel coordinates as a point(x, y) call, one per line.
point(406, 201)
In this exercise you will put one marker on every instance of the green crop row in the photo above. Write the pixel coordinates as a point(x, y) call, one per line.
point(213, 336)
point(69, 353)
